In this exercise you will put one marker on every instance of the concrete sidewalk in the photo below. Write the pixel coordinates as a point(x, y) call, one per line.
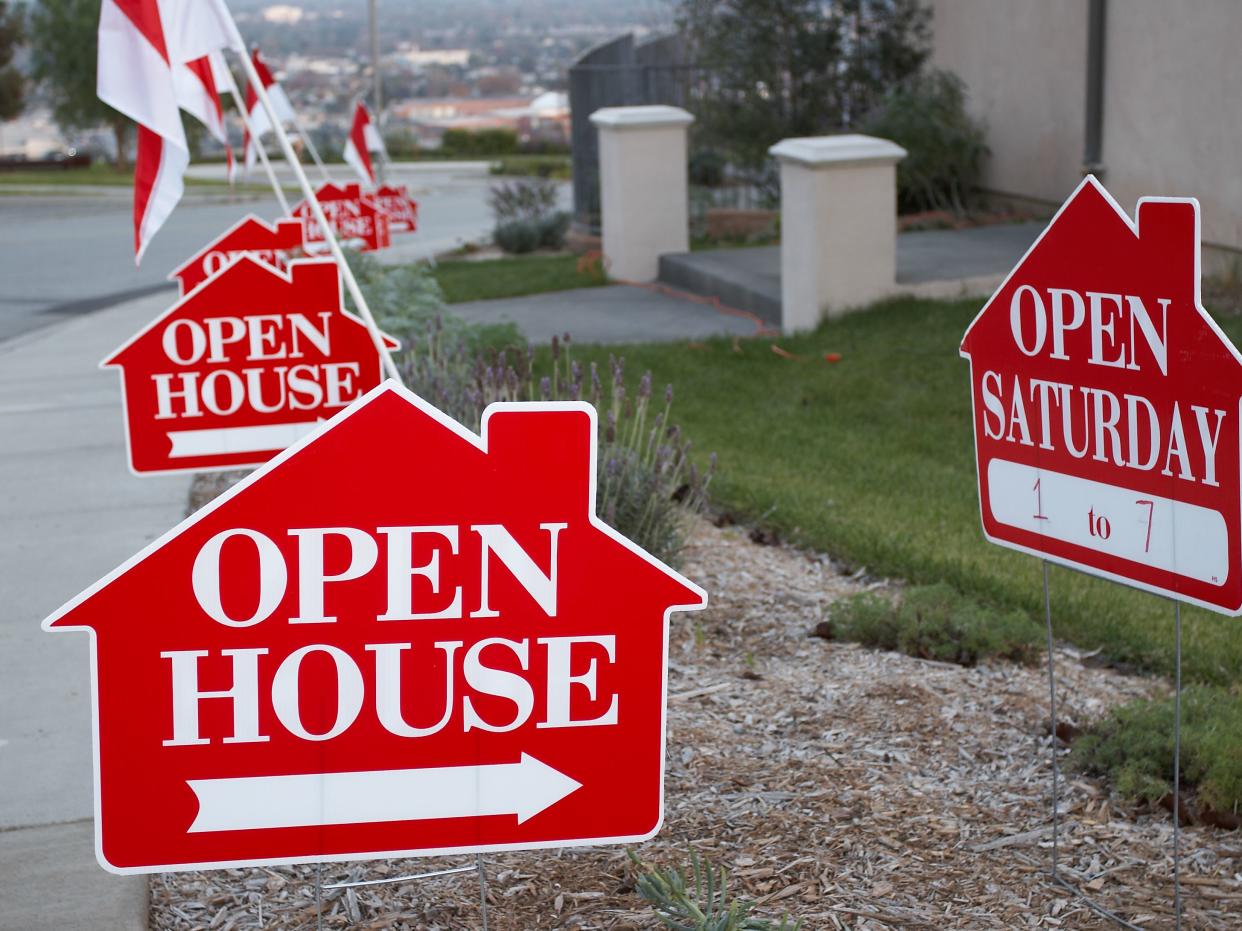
point(70, 512)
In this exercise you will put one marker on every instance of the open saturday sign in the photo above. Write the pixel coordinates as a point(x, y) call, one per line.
point(395, 638)
point(247, 363)
point(1106, 404)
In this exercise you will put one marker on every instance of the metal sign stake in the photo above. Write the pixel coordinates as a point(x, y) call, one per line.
point(1177, 765)
point(1056, 773)
point(478, 862)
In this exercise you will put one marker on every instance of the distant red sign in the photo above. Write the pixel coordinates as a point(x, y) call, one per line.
point(396, 202)
point(1106, 404)
point(353, 217)
point(396, 638)
point(248, 236)
point(243, 366)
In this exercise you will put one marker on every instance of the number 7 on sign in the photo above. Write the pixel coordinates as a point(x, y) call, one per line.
point(1151, 506)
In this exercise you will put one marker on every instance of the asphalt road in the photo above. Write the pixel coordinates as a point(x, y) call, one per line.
point(63, 255)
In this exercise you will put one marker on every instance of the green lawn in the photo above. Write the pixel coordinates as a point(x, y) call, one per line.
point(464, 280)
point(100, 173)
point(870, 459)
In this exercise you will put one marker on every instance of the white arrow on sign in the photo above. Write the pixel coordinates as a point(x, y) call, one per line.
point(246, 803)
point(222, 440)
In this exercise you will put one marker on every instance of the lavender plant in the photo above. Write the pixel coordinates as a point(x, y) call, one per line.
point(646, 482)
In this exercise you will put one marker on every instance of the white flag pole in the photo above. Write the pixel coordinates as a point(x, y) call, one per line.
point(245, 118)
point(329, 235)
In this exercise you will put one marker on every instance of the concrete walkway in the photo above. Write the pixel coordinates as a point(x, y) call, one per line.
point(71, 512)
point(930, 263)
point(610, 314)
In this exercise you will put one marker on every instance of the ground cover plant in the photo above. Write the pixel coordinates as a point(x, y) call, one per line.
point(870, 459)
point(934, 622)
point(1133, 748)
point(469, 280)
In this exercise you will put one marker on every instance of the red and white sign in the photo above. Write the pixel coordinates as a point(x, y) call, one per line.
point(1106, 404)
point(395, 201)
point(243, 366)
point(250, 236)
point(396, 638)
point(354, 218)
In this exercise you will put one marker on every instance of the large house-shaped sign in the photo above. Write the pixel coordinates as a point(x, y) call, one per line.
point(1106, 404)
point(353, 217)
point(396, 638)
point(246, 364)
point(273, 244)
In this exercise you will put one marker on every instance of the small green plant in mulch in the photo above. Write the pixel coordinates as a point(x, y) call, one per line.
point(698, 899)
point(935, 622)
point(1133, 748)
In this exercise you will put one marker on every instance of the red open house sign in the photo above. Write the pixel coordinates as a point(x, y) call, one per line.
point(401, 209)
point(396, 638)
point(243, 366)
point(353, 217)
point(1106, 404)
point(273, 244)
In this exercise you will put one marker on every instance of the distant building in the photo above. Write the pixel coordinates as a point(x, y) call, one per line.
point(283, 14)
point(443, 57)
point(543, 117)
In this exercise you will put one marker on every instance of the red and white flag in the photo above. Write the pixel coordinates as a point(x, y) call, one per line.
point(198, 92)
point(259, 122)
point(143, 44)
point(363, 139)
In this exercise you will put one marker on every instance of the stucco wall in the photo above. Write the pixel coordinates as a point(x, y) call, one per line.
point(1172, 106)
point(1023, 64)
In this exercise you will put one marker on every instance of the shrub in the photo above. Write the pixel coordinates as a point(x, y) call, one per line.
point(524, 199)
point(552, 229)
point(519, 236)
point(526, 215)
point(645, 483)
point(936, 622)
point(403, 298)
point(538, 166)
point(946, 147)
point(1133, 748)
point(706, 168)
point(465, 142)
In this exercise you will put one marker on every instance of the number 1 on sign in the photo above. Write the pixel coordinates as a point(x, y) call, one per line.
point(1039, 501)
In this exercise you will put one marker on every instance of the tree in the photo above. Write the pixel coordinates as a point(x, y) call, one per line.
point(11, 85)
point(63, 46)
point(771, 69)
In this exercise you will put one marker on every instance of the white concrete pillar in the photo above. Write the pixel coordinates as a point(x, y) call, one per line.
point(838, 225)
point(642, 181)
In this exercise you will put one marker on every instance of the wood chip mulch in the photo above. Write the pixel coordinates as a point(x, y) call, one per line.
point(846, 787)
